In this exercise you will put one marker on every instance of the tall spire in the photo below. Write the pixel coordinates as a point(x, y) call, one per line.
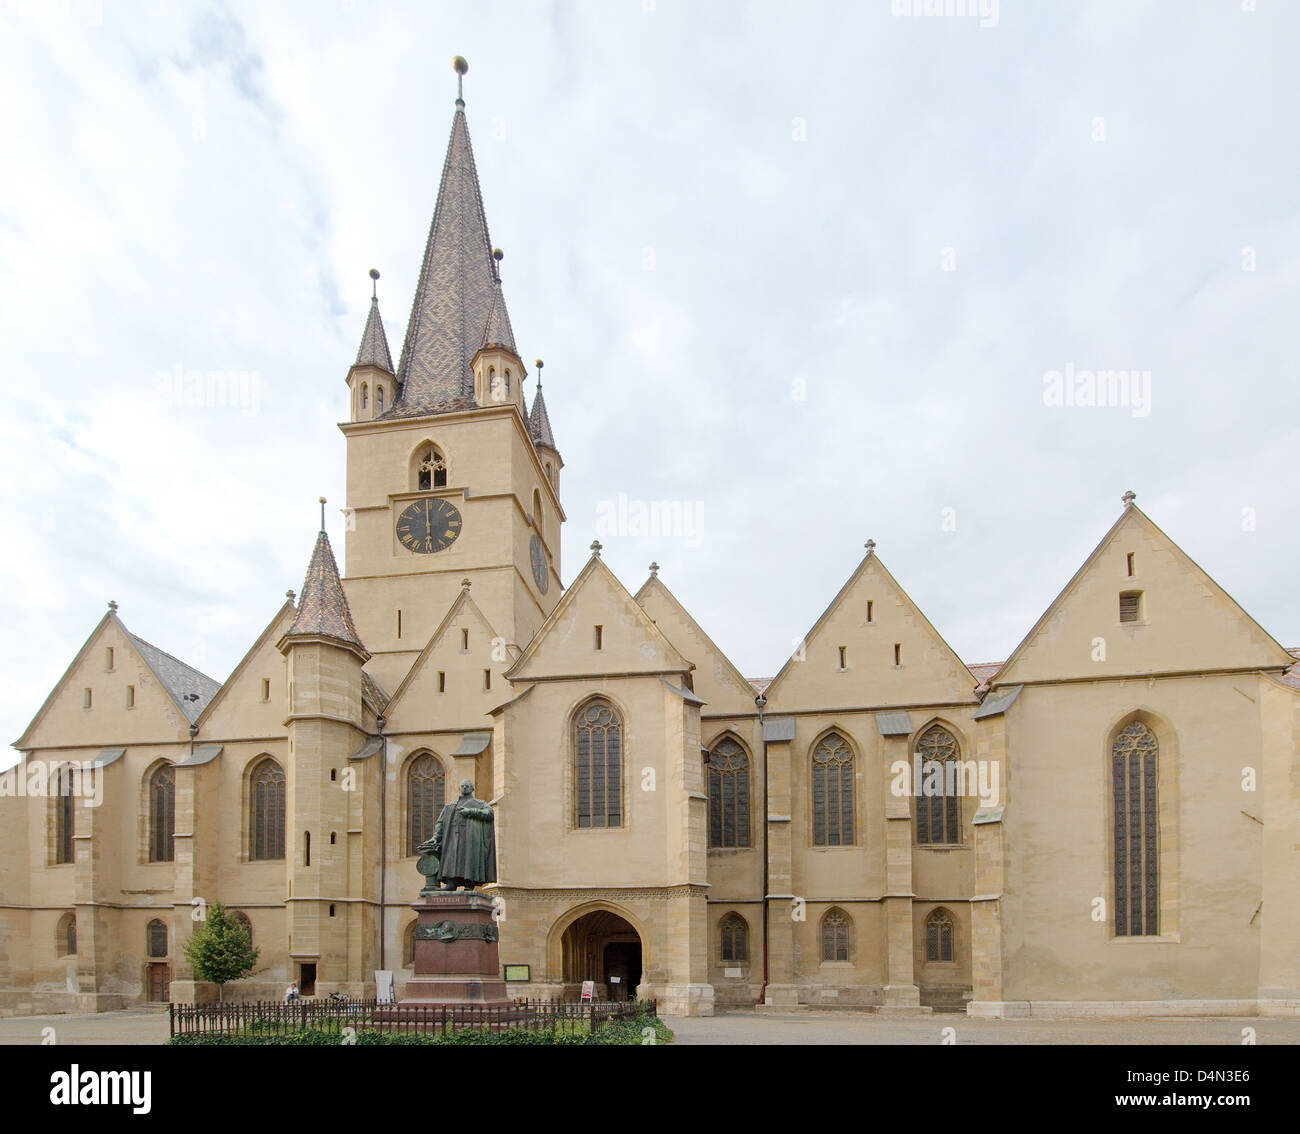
point(374, 343)
point(457, 291)
point(539, 421)
point(322, 606)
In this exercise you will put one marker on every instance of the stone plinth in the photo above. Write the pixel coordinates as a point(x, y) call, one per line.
point(456, 959)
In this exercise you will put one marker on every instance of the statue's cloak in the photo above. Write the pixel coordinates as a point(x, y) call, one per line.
point(467, 841)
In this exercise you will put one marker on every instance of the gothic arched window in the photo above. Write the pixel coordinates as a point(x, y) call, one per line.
point(939, 928)
point(728, 794)
point(408, 947)
point(835, 936)
point(156, 938)
point(426, 792)
point(430, 468)
point(832, 792)
point(162, 813)
point(735, 938)
point(365, 396)
point(266, 811)
point(65, 935)
point(1134, 769)
point(65, 822)
point(379, 400)
point(597, 765)
point(938, 817)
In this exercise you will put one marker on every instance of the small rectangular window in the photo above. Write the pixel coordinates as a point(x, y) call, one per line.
point(334, 775)
point(108, 658)
point(399, 623)
point(464, 639)
point(130, 696)
point(599, 637)
point(333, 837)
point(843, 657)
point(266, 689)
point(1130, 564)
point(1130, 606)
point(442, 682)
point(331, 909)
point(870, 605)
point(487, 679)
point(898, 653)
point(85, 698)
point(306, 848)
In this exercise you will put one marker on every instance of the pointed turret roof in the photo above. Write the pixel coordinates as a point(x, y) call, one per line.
point(498, 332)
point(539, 422)
point(454, 299)
point(374, 343)
point(322, 606)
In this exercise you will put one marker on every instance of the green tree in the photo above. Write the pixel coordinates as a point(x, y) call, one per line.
point(220, 949)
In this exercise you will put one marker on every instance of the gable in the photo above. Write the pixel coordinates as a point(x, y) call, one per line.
point(1187, 621)
point(869, 617)
point(129, 702)
point(241, 708)
point(717, 682)
point(629, 641)
point(461, 648)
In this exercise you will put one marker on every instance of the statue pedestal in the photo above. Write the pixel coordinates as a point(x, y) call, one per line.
point(456, 959)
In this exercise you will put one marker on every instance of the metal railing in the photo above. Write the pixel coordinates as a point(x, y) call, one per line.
point(268, 1017)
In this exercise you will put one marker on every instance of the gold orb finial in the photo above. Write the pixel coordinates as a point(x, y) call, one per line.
point(460, 65)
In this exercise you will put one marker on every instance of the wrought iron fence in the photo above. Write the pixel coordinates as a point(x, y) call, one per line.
point(268, 1017)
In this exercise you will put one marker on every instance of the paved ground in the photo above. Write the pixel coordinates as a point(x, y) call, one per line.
point(149, 1026)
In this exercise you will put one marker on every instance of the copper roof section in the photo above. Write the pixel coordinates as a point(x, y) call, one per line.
point(454, 299)
point(323, 607)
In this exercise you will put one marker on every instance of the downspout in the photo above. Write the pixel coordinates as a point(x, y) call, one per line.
point(761, 702)
point(383, 842)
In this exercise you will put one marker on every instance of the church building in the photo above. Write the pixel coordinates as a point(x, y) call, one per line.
point(1108, 821)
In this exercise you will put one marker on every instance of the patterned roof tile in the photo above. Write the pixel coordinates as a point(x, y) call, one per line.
point(323, 607)
point(374, 343)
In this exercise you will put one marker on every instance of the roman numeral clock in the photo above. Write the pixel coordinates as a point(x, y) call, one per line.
point(426, 526)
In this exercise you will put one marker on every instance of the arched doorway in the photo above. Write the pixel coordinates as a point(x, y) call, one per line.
point(603, 947)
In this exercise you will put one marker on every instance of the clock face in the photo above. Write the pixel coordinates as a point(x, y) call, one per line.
point(428, 525)
point(541, 573)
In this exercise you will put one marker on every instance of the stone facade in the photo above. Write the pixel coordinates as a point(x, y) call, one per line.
point(474, 661)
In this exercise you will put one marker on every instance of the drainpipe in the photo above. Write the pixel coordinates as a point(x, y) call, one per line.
point(761, 702)
point(383, 840)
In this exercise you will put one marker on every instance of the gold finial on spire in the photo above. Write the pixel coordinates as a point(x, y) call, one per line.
point(374, 284)
point(539, 364)
point(321, 499)
point(461, 68)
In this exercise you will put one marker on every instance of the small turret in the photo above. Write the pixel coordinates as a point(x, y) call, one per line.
point(498, 369)
point(539, 429)
point(371, 380)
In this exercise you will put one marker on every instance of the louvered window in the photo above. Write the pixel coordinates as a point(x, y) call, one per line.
point(1136, 832)
point(735, 938)
point(728, 795)
point(938, 816)
point(832, 792)
point(938, 936)
point(162, 814)
point(1130, 606)
point(835, 936)
point(267, 818)
point(427, 792)
point(598, 766)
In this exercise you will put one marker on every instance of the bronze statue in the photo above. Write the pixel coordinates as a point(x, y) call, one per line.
point(463, 849)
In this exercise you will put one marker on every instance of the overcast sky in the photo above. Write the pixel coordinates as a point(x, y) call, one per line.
point(802, 268)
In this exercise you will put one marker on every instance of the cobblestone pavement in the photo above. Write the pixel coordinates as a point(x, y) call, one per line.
point(842, 1027)
point(149, 1026)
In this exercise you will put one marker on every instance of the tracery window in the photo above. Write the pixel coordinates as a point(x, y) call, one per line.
point(728, 794)
point(938, 817)
point(426, 792)
point(939, 928)
point(832, 792)
point(598, 765)
point(1134, 767)
point(735, 939)
point(162, 814)
point(430, 468)
point(835, 936)
point(266, 811)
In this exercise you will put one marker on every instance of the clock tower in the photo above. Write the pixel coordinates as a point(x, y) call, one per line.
point(449, 475)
